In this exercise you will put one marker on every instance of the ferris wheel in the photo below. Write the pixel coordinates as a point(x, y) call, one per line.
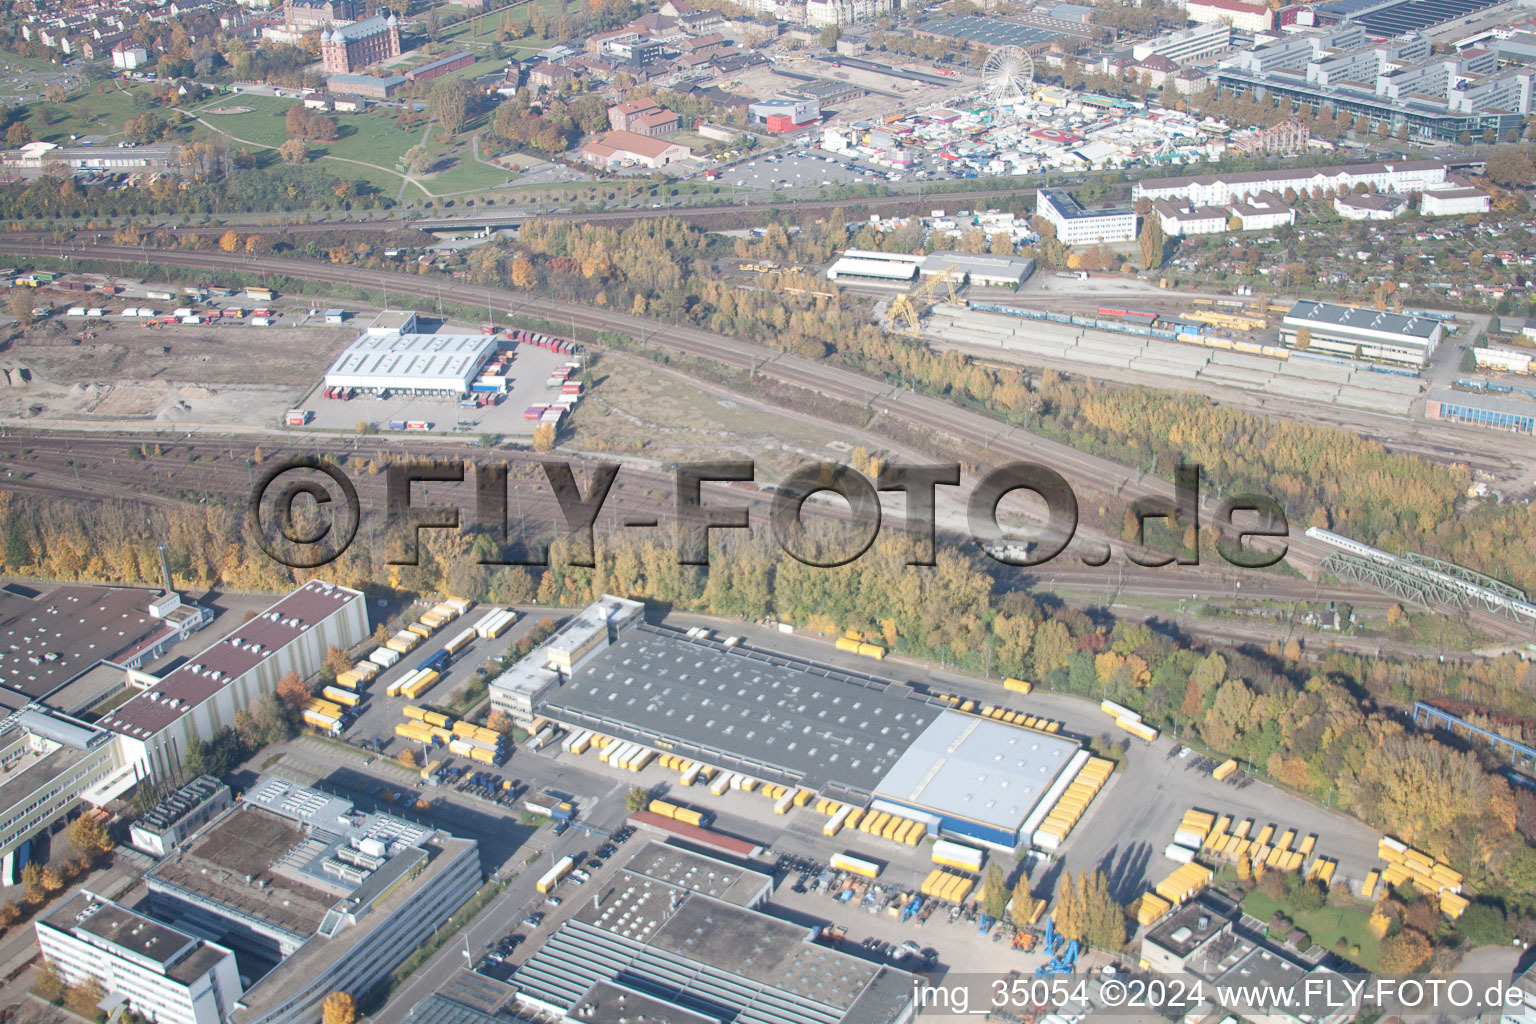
point(1007, 75)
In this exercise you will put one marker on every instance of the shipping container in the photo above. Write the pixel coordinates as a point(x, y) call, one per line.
point(1017, 685)
point(552, 877)
point(955, 855)
point(855, 865)
point(338, 695)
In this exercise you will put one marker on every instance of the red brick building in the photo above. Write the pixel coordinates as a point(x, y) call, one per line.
point(353, 47)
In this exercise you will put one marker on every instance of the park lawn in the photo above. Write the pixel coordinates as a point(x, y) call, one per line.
point(370, 137)
point(1326, 926)
point(265, 125)
point(468, 175)
point(90, 113)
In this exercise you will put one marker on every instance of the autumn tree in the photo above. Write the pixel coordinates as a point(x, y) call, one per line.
point(84, 997)
point(1085, 911)
point(229, 241)
point(17, 135)
point(1152, 242)
point(336, 661)
point(544, 437)
point(292, 691)
point(1404, 952)
point(294, 151)
point(47, 982)
point(993, 897)
point(88, 837)
point(1303, 338)
point(1023, 902)
point(636, 799)
point(339, 1008)
point(449, 103)
point(258, 245)
point(32, 884)
point(499, 721)
point(407, 758)
point(21, 307)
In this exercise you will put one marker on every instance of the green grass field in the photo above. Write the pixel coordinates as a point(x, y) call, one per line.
point(1327, 926)
point(89, 113)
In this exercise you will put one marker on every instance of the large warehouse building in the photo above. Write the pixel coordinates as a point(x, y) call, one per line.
point(1363, 333)
point(883, 266)
point(850, 737)
point(390, 356)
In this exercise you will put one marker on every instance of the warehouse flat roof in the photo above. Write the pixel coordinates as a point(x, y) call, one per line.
point(221, 664)
point(48, 640)
point(772, 717)
point(1483, 400)
point(395, 360)
point(750, 967)
point(694, 871)
point(1067, 206)
point(982, 770)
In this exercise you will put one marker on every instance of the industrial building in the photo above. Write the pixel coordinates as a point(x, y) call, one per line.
point(1482, 409)
point(880, 266)
point(630, 149)
point(1363, 333)
point(674, 938)
point(974, 778)
point(784, 113)
point(312, 895)
point(982, 271)
point(200, 697)
point(850, 737)
point(164, 974)
point(389, 356)
point(48, 640)
point(180, 814)
point(1243, 16)
point(1075, 224)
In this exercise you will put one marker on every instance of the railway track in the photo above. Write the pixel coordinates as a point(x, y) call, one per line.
point(1085, 472)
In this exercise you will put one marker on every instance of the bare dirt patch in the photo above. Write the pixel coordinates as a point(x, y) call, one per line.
point(213, 375)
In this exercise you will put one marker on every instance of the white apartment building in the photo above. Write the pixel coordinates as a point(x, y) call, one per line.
point(162, 973)
point(1217, 189)
point(1455, 198)
point(1190, 44)
point(1077, 225)
point(1190, 220)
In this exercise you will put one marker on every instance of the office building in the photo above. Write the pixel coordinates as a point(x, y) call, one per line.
point(53, 767)
point(312, 895)
point(160, 972)
point(1245, 17)
point(1187, 45)
point(517, 691)
point(170, 822)
point(1078, 225)
point(1212, 940)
